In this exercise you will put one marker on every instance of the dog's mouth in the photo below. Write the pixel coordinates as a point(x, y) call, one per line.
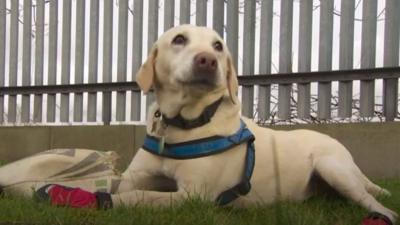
point(205, 81)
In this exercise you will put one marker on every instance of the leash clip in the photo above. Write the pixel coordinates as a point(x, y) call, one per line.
point(158, 123)
point(157, 114)
point(159, 127)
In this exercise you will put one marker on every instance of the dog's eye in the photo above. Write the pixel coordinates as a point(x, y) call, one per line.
point(179, 40)
point(218, 46)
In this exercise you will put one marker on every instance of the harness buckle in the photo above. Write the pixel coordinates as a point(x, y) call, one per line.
point(244, 187)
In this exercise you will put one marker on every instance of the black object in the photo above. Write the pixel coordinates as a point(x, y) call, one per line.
point(204, 118)
point(104, 200)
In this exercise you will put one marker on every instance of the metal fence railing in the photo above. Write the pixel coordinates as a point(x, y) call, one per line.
point(75, 61)
point(106, 89)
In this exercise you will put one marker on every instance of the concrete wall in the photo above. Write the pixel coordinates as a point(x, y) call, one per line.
point(374, 146)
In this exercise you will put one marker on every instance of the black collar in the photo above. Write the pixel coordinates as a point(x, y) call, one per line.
point(204, 118)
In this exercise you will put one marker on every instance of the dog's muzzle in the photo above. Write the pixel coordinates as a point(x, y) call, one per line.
point(205, 66)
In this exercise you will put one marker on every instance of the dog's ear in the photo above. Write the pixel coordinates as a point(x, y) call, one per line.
point(145, 75)
point(232, 81)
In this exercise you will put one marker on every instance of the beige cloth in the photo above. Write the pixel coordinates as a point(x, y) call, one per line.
point(88, 169)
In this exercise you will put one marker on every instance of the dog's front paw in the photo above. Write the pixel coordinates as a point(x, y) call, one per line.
point(73, 197)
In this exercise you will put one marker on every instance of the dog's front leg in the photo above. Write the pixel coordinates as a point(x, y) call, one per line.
point(186, 188)
point(136, 197)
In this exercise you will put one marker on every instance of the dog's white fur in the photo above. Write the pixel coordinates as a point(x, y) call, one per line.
point(285, 161)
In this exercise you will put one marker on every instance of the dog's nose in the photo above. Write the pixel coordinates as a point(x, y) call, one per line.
point(205, 63)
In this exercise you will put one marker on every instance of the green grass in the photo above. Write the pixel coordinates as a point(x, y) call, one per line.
point(319, 210)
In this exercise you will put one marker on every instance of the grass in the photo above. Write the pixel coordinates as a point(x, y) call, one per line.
point(319, 210)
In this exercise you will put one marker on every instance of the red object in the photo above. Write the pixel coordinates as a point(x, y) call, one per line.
point(376, 219)
point(369, 221)
point(72, 197)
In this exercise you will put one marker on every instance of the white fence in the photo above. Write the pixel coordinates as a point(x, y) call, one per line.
point(74, 61)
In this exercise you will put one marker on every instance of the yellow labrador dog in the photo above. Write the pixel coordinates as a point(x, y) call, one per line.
point(195, 85)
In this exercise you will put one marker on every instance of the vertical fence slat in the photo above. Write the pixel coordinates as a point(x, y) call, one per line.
point(137, 55)
point(65, 59)
point(305, 37)
point(39, 48)
point(3, 30)
point(152, 24)
point(346, 56)
point(93, 59)
point(184, 17)
point(152, 37)
point(12, 99)
point(285, 56)
point(169, 14)
point(391, 58)
point(232, 29)
point(325, 58)
point(201, 12)
point(368, 48)
point(218, 17)
point(26, 59)
point(122, 53)
point(107, 58)
point(52, 66)
point(264, 94)
point(79, 57)
point(248, 55)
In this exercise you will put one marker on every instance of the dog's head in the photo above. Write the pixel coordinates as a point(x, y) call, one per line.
point(189, 58)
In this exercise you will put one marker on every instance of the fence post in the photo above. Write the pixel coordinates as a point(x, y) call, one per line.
point(39, 48)
point(152, 37)
point(368, 46)
point(264, 91)
point(391, 58)
point(65, 59)
point(232, 29)
point(26, 59)
point(184, 17)
point(169, 14)
point(79, 57)
point(305, 37)
point(3, 30)
point(93, 59)
point(52, 66)
point(285, 56)
point(346, 56)
point(107, 58)
point(218, 17)
point(325, 58)
point(122, 54)
point(13, 73)
point(201, 12)
point(248, 55)
point(137, 55)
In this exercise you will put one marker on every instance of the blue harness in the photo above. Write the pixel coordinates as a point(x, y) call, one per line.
point(210, 146)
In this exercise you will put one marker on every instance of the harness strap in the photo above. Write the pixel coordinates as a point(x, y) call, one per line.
point(210, 146)
point(204, 118)
point(244, 186)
